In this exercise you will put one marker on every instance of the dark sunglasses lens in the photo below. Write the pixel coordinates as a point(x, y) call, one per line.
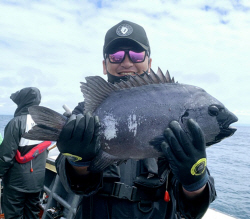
point(137, 56)
point(116, 57)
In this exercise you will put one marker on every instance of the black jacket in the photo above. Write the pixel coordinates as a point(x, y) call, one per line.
point(149, 175)
point(15, 175)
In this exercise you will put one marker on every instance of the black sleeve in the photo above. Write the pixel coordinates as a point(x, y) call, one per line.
point(82, 185)
point(194, 208)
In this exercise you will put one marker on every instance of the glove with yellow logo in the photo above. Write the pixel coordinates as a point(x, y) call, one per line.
point(79, 139)
point(187, 158)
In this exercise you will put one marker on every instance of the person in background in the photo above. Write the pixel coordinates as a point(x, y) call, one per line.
point(22, 172)
point(149, 188)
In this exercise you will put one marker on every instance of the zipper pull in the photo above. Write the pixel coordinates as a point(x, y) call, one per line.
point(31, 169)
point(166, 195)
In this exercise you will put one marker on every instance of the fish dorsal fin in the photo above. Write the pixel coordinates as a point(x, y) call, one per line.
point(96, 89)
point(155, 77)
point(161, 76)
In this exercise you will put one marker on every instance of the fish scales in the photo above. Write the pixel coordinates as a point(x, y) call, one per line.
point(139, 114)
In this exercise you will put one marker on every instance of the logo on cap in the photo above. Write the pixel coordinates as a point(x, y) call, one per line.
point(124, 30)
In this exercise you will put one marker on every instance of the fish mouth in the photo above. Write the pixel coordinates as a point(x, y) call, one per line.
point(225, 130)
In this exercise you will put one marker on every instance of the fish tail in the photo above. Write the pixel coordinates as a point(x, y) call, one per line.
point(49, 124)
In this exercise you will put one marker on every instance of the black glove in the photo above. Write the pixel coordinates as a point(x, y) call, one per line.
point(187, 158)
point(79, 139)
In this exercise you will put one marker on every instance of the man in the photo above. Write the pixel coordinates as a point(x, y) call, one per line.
point(150, 188)
point(23, 172)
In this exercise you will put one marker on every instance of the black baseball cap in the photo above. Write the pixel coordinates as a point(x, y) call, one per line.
point(125, 31)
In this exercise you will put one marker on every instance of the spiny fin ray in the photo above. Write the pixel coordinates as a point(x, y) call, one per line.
point(96, 89)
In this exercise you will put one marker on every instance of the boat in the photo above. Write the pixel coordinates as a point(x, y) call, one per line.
point(61, 201)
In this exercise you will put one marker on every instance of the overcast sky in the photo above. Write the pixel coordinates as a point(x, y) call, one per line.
point(54, 45)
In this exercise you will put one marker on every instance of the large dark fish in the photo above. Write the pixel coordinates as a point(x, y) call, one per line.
point(134, 113)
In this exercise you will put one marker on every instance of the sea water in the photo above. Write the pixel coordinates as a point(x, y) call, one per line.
point(4, 119)
point(229, 164)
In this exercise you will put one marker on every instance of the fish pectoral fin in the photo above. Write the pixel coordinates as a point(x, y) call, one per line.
point(103, 160)
point(120, 162)
point(156, 142)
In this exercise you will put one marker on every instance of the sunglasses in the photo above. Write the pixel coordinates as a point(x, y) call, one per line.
point(119, 56)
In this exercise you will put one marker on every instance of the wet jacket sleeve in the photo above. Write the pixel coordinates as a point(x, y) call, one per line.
point(72, 183)
point(9, 146)
point(197, 207)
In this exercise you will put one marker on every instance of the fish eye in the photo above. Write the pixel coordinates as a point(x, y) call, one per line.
point(213, 110)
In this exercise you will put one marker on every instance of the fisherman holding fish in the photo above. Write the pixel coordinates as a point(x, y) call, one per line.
point(137, 148)
point(174, 186)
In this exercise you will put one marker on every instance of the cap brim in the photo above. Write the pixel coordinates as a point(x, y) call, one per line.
point(114, 41)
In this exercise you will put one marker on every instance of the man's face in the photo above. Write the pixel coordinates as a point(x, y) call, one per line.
point(126, 67)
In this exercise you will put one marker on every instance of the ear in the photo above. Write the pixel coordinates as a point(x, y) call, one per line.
point(149, 65)
point(104, 67)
